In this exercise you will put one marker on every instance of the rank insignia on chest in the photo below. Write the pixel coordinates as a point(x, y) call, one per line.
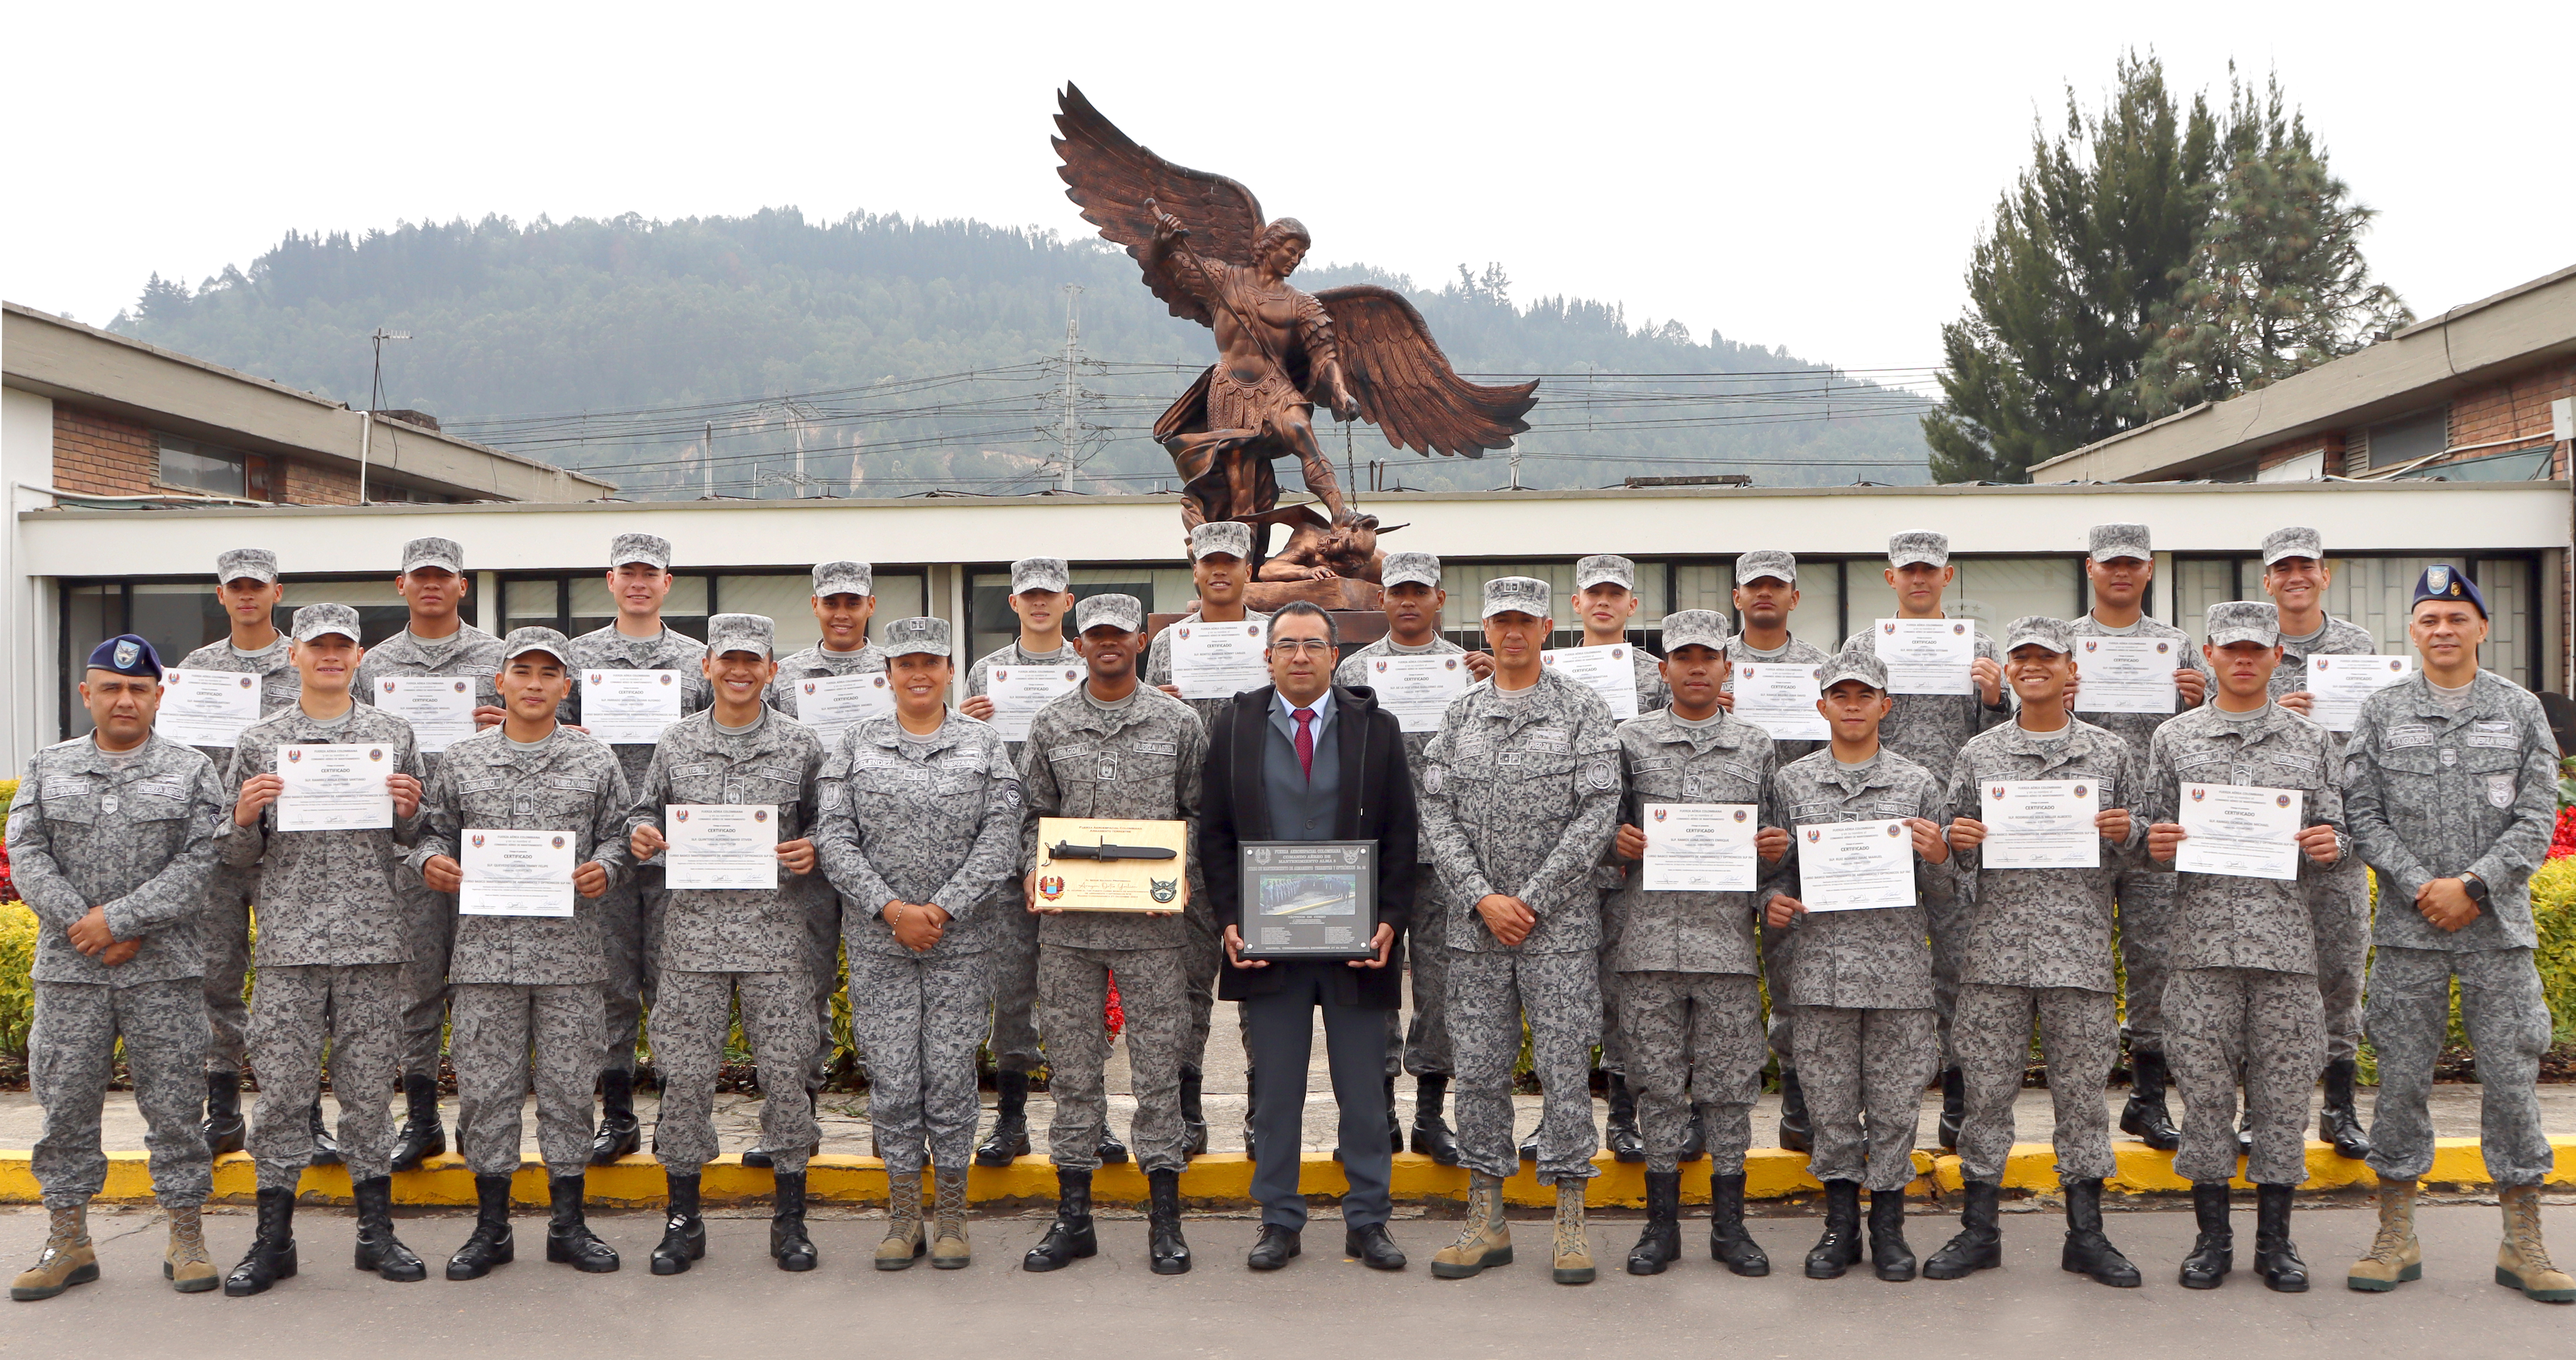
point(1108, 770)
point(2500, 790)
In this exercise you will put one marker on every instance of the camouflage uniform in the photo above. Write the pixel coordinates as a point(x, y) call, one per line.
point(2341, 894)
point(1422, 1047)
point(1204, 953)
point(1520, 796)
point(1138, 758)
point(2433, 793)
point(1862, 980)
point(331, 955)
point(930, 820)
point(1012, 964)
point(527, 982)
point(1775, 943)
point(719, 945)
point(1687, 996)
point(136, 835)
point(226, 920)
point(823, 932)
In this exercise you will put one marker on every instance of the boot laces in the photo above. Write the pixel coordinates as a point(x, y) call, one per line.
point(2523, 1230)
point(951, 1193)
point(1570, 1239)
point(187, 1238)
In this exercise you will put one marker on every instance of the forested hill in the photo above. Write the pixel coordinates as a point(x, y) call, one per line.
point(878, 355)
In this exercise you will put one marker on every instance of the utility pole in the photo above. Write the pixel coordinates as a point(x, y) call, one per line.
point(1070, 433)
point(375, 398)
point(707, 464)
point(1514, 448)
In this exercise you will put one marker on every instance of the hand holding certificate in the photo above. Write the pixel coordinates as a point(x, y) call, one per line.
point(2339, 685)
point(1780, 698)
point(1699, 847)
point(1609, 671)
point(1218, 660)
point(2126, 675)
point(515, 873)
point(1927, 656)
point(1853, 866)
point(833, 704)
point(1417, 689)
point(334, 788)
point(2243, 830)
point(629, 708)
point(720, 846)
point(206, 708)
point(1018, 692)
point(440, 708)
point(2041, 824)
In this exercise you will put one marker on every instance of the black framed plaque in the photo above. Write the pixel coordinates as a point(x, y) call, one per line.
point(1309, 899)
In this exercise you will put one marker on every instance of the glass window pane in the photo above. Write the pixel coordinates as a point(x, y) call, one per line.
point(2202, 582)
point(199, 467)
point(594, 608)
point(898, 597)
point(529, 602)
point(178, 618)
point(381, 612)
point(786, 598)
point(2372, 592)
point(1994, 591)
point(91, 615)
point(1704, 585)
point(2506, 584)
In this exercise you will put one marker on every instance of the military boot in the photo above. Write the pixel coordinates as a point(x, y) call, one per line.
point(1838, 1249)
point(2145, 1117)
point(2213, 1252)
point(1112, 1151)
point(1888, 1252)
point(1626, 1143)
point(569, 1240)
point(1795, 1135)
point(1980, 1243)
point(224, 1129)
point(2276, 1258)
point(1010, 1136)
point(378, 1249)
point(684, 1233)
point(1529, 1147)
point(490, 1243)
point(1070, 1238)
point(1194, 1131)
point(186, 1264)
point(1954, 1107)
point(2522, 1262)
point(789, 1245)
point(1694, 1136)
point(1661, 1243)
point(420, 1136)
point(271, 1257)
point(903, 1242)
point(1486, 1240)
point(326, 1149)
point(1573, 1263)
point(1727, 1240)
point(948, 1247)
point(766, 1160)
point(2339, 1123)
point(1431, 1135)
point(1170, 1252)
point(619, 1133)
point(2088, 1250)
point(2394, 1256)
point(68, 1258)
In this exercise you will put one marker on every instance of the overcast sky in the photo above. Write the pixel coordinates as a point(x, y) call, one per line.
point(1811, 177)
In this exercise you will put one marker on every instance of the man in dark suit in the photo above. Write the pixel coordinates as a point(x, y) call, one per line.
point(1305, 759)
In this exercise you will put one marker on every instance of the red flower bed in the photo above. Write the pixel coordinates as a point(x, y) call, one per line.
point(2564, 843)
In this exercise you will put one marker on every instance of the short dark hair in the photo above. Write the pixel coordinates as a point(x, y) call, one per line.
point(1296, 608)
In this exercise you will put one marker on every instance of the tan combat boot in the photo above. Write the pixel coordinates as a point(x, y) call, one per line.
point(1573, 1248)
point(185, 1265)
point(948, 1249)
point(2394, 1256)
point(902, 1244)
point(67, 1259)
point(2523, 1261)
point(1487, 1238)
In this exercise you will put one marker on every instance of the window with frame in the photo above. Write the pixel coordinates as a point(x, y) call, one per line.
point(211, 469)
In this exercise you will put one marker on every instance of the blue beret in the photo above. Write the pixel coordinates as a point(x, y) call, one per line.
point(2442, 581)
point(126, 654)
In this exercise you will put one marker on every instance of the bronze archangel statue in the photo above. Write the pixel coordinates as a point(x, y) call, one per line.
point(1363, 351)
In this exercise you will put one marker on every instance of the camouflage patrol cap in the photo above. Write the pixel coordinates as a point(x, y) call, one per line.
point(1228, 536)
point(1420, 568)
point(2244, 621)
point(2296, 541)
point(1852, 664)
point(1771, 562)
point(256, 564)
point(925, 636)
point(1039, 573)
point(2039, 630)
point(754, 633)
point(844, 578)
point(1122, 612)
point(314, 620)
point(533, 638)
point(1694, 628)
point(1516, 595)
point(1918, 545)
point(644, 548)
point(2110, 541)
point(443, 553)
point(1605, 569)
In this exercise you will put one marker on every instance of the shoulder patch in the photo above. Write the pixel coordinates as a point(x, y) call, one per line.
point(1600, 774)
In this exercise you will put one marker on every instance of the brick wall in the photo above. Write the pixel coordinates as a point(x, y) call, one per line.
point(300, 483)
point(102, 454)
point(2516, 408)
point(2330, 443)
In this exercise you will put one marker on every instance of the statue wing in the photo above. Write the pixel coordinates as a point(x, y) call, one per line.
point(1112, 178)
point(1403, 382)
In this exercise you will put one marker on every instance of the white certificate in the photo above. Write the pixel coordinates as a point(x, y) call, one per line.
point(1018, 692)
point(1849, 866)
point(1218, 660)
point(206, 708)
point(1608, 671)
point(1780, 698)
point(2337, 685)
point(515, 873)
point(2244, 830)
point(833, 704)
point(720, 846)
point(1417, 689)
point(334, 787)
point(1699, 847)
point(2126, 674)
point(440, 708)
point(1927, 656)
point(630, 708)
point(2041, 824)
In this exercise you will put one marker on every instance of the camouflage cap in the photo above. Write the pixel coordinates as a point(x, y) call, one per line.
point(1694, 628)
point(2108, 541)
point(443, 553)
point(1852, 664)
point(1123, 612)
point(1039, 573)
point(1918, 545)
point(314, 620)
point(844, 578)
point(2296, 541)
point(1228, 536)
point(925, 635)
point(2039, 630)
point(644, 548)
point(257, 564)
point(1605, 569)
point(1771, 562)
point(1516, 595)
point(755, 633)
point(2244, 621)
point(533, 638)
point(1421, 568)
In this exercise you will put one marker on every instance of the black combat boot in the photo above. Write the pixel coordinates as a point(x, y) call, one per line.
point(271, 1257)
point(1431, 1135)
point(378, 1249)
point(1529, 1147)
point(1010, 1136)
point(223, 1127)
point(1626, 1143)
point(1727, 1240)
point(1887, 1249)
point(1694, 1137)
point(2145, 1117)
point(420, 1136)
point(1795, 1136)
point(1070, 1237)
point(788, 1244)
point(2088, 1250)
point(1163, 1219)
point(2276, 1258)
point(1954, 1107)
point(1661, 1243)
point(1839, 1249)
point(491, 1244)
point(2213, 1252)
point(2339, 1123)
point(569, 1240)
point(326, 1149)
point(619, 1133)
point(684, 1234)
point(1980, 1243)
point(1194, 1133)
point(1113, 1151)
point(761, 1156)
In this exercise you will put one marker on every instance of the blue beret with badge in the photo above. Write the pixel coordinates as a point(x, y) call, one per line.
point(126, 654)
point(2442, 581)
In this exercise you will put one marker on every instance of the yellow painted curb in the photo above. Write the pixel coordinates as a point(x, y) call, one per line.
point(1226, 1178)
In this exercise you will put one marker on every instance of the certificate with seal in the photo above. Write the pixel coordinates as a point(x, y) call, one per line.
point(1854, 866)
point(630, 708)
point(1927, 656)
point(1417, 689)
point(2242, 830)
point(2338, 686)
point(833, 704)
point(1309, 899)
point(1106, 864)
point(2126, 674)
point(440, 708)
point(515, 873)
point(1218, 660)
point(1609, 670)
point(720, 845)
point(1780, 698)
point(334, 787)
point(2040, 824)
point(1699, 847)
point(1018, 692)
point(206, 708)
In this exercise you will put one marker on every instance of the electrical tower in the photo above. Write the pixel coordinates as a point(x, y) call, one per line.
point(1069, 431)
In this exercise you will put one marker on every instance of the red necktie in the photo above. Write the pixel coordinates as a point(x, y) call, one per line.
point(1306, 740)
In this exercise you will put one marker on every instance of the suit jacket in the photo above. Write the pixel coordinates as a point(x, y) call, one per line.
point(1376, 805)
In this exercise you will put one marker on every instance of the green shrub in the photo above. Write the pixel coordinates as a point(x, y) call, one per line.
point(17, 992)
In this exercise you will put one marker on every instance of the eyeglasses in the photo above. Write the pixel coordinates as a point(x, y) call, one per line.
point(1300, 646)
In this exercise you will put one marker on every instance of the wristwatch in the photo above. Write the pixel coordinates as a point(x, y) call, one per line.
point(2475, 887)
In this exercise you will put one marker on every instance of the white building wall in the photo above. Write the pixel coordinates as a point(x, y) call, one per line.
point(27, 678)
